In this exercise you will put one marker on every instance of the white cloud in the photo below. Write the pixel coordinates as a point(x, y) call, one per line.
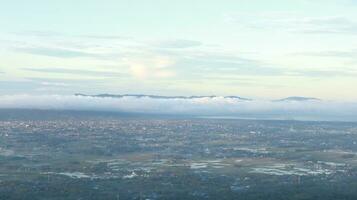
point(217, 106)
point(54, 84)
point(292, 22)
point(178, 44)
point(151, 67)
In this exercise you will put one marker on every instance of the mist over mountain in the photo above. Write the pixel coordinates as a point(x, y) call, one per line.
point(297, 98)
point(159, 96)
point(292, 98)
point(200, 106)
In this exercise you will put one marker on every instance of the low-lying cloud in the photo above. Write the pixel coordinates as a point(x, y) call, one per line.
point(202, 107)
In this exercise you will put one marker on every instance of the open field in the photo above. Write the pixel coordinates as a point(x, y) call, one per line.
point(97, 156)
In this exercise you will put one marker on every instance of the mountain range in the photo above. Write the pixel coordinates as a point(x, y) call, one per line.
point(288, 99)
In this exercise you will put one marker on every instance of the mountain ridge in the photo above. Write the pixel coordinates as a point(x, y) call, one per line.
point(297, 98)
point(159, 96)
point(106, 95)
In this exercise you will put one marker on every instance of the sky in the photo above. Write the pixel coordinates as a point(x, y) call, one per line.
point(250, 48)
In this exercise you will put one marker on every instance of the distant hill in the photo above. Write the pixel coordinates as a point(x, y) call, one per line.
point(288, 99)
point(158, 96)
point(296, 98)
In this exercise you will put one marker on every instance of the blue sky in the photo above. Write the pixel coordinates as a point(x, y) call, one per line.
point(258, 49)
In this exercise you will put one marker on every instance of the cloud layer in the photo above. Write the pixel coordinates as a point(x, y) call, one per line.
point(203, 107)
point(293, 23)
